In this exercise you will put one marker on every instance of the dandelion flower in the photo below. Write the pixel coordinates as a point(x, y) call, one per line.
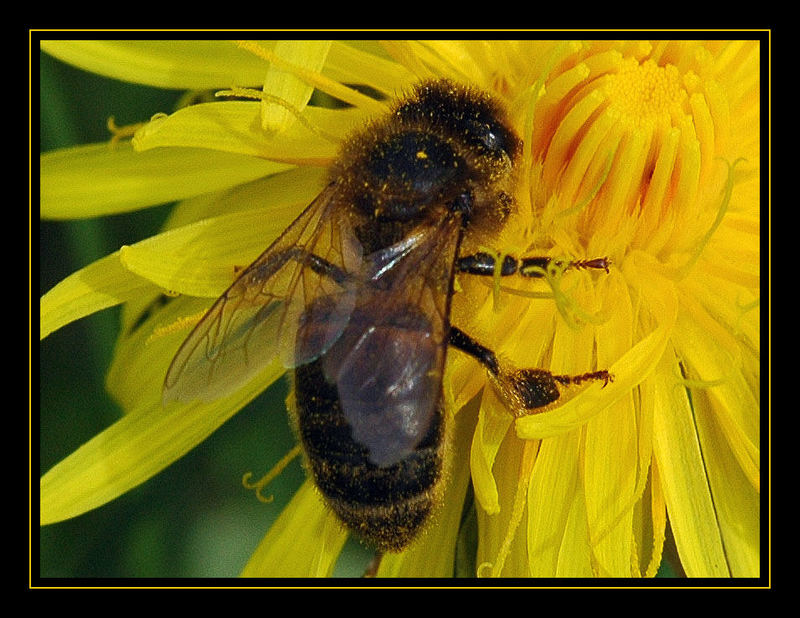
point(642, 152)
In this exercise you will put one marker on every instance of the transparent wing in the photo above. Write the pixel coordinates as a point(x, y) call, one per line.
point(257, 317)
point(389, 362)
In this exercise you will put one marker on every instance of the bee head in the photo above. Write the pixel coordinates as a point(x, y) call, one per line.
point(470, 117)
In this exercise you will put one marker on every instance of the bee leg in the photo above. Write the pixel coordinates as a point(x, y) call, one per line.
point(462, 341)
point(525, 390)
point(323, 267)
point(533, 266)
point(327, 269)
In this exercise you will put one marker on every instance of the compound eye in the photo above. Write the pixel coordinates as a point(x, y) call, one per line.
point(490, 139)
point(494, 139)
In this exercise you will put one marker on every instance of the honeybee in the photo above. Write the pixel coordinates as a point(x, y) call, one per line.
point(354, 297)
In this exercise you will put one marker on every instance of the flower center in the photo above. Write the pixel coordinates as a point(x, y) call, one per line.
point(646, 92)
point(628, 147)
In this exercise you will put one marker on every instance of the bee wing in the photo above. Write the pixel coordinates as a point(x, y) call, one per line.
point(256, 319)
point(389, 362)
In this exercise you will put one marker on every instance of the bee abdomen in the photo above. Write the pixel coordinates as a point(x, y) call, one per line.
point(389, 527)
point(385, 505)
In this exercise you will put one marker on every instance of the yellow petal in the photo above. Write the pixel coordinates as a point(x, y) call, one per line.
point(574, 559)
point(684, 480)
point(235, 127)
point(145, 349)
point(649, 522)
point(286, 192)
point(100, 285)
point(609, 482)
point(552, 491)
point(94, 180)
point(133, 449)
point(711, 355)
point(182, 65)
point(306, 55)
point(305, 541)
point(736, 500)
point(560, 545)
point(629, 371)
point(611, 447)
point(654, 522)
point(201, 259)
point(502, 548)
point(493, 423)
point(367, 62)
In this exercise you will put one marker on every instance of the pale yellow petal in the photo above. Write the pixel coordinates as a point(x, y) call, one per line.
point(366, 62)
point(609, 482)
point(736, 500)
point(551, 493)
point(289, 88)
point(502, 548)
point(189, 65)
point(611, 448)
point(557, 533)
point(684, 478)
point(100, 285)
point(647, 533)
point(493, 423)
point(145, 349)
point(574, 558)
point(235, 127)
point(286, 192)
point(201, 259)
point(629, 371)
point(89, 181)
point(305, 541)
point(725, 398)
point(656, 514)
point(711, 356)
point(209, 64)
point(133, 449)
